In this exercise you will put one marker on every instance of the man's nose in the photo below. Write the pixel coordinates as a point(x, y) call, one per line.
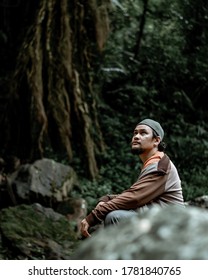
point(136, 136)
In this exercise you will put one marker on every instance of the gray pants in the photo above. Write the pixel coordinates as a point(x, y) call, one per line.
point(116, 216)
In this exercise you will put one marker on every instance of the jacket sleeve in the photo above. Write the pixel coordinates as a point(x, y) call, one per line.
point(107, 197)
point(140, 193)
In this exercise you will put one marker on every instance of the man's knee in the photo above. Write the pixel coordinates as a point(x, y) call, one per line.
point(111, 218)
point(115, 216)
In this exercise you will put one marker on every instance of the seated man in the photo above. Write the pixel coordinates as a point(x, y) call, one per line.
point(158, 182)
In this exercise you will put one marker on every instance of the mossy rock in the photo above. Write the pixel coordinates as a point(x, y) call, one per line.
point(35, 232)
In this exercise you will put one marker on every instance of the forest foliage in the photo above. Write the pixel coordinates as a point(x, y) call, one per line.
point(151, 63)
point(155, 65)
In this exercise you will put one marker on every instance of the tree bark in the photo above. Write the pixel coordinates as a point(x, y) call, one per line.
point(53, 88)
point(141, 29)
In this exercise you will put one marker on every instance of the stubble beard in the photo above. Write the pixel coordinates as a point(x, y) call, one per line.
point(137, 151)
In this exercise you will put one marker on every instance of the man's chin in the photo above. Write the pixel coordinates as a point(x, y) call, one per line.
point(136, 151)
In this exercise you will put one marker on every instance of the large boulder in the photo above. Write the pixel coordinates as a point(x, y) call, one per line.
point(30, 232)
point(45, 181)
point(173, 233)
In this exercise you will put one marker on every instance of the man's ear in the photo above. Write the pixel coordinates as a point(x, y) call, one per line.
point(157, 140)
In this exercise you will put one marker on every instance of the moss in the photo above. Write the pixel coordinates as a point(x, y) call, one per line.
point(32, 234)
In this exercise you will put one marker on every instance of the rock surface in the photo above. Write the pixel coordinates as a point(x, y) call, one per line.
point(34, 232)
point(159, 234)
point(39, 214)
point(45, 180)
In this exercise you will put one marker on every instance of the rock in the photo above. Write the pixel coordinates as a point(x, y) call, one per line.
point(171, 233)
point(75, 209)
point(35, 232)
point(201, 201)
point(45, 181)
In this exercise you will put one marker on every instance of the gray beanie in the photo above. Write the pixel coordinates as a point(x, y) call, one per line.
point(155, 126)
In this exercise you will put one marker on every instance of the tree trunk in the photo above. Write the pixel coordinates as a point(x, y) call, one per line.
point(141, 29)
point(55, 103)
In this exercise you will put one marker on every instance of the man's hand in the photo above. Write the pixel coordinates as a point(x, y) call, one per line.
point(100, 203)
point(84, 228)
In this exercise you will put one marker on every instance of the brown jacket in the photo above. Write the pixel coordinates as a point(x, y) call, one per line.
point(158, 183)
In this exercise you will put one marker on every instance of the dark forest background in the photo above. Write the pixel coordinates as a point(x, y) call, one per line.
point(77, 76)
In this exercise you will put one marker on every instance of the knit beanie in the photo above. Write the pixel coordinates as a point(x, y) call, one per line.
point(155, 126)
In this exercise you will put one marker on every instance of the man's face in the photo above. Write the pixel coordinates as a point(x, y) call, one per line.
point(142, 140)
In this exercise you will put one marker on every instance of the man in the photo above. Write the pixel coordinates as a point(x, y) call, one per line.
point(157, 184)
